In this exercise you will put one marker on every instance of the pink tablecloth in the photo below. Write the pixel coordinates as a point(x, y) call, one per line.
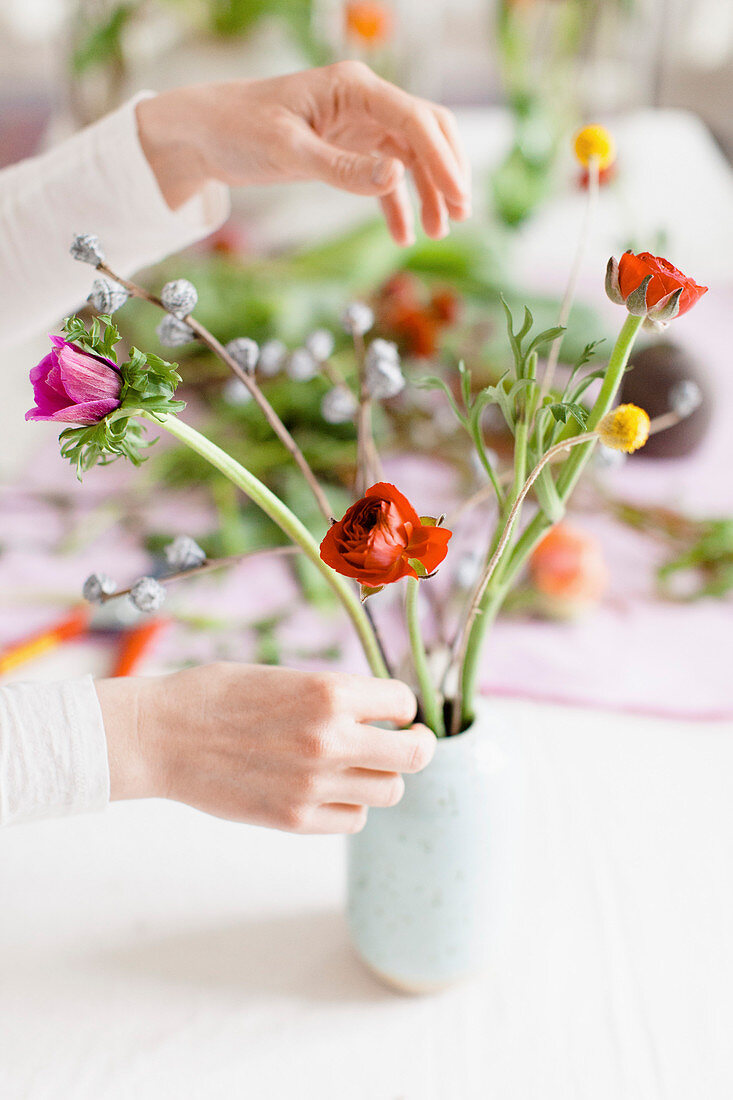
point(634, 653)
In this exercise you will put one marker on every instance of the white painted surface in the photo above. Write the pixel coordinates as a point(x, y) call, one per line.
point(155, 953)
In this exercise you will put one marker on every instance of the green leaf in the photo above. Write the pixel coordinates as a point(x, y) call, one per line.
point(366, 591)
point(546, 337)
point(561, 411)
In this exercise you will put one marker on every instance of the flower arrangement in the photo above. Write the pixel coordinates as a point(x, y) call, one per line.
point(381, 540)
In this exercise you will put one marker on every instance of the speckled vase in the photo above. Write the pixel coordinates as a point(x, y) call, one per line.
point(430, 880)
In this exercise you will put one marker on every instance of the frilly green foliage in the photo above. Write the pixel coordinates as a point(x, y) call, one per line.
point(148, 385)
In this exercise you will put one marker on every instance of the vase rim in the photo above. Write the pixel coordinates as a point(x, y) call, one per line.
point(482, 706)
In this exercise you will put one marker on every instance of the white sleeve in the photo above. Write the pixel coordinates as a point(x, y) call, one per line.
point(98, 181)
point(53, 750)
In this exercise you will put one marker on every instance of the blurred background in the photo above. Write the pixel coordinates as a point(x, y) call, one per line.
point(647, 539)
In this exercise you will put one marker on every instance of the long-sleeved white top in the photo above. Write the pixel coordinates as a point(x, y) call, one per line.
point(53, 753)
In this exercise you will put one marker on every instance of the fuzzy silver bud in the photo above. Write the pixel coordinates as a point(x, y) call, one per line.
point(147, 594)
point(320, 344)
point(244, 352)
point(107, 296)
point(382, 371)
point(338, 405)
point(184, 553)
point(272, 357)
point(235, 393)
point(301, 366)
point(97, 586)
point(179, 297)
point(382, 349)
point(86, 248)
point(174, 333)
point(685, 397)
point(357, 318)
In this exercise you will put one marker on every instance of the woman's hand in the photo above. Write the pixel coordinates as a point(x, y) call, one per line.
point(341, 124)
point(267, 746)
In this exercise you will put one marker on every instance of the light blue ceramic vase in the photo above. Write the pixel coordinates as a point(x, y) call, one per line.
point(429, 880)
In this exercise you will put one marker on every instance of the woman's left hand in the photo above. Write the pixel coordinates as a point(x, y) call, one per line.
point(341, 124)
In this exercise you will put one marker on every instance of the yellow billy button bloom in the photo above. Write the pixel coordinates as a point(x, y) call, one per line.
point(625, 428)
point(595, 141)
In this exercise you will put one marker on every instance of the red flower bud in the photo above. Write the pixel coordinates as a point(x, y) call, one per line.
point(666, 286)
point(379, 536)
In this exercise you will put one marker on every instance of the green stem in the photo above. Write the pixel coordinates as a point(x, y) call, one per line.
point(288, 523)
point(431, 707)
point(569, 475)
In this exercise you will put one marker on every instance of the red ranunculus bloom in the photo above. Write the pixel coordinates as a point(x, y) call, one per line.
point(632, 270)
point(378, 536)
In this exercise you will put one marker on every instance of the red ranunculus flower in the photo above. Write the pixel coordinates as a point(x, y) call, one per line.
point(378, 536)
point(632, 270)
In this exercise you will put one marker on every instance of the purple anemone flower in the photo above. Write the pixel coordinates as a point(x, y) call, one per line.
point(73, 385)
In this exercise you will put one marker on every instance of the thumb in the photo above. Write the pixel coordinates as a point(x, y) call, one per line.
point(362, 175)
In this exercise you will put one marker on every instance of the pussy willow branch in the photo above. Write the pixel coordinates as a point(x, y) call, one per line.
point(207, 567)
point(220, 351)
point(572, 284)
point(475, 604)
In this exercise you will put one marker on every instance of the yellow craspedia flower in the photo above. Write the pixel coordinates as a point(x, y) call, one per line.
point(595, 141)
point(625, 428)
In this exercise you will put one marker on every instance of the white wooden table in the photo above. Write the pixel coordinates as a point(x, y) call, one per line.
point(152, 952)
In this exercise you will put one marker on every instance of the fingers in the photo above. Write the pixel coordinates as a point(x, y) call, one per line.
point(359, 787)
point(447, 123)
point(403, 751)
point(433, 213)
point(366, 698)
point(349, 171)
point(338, 818)
point(397, 210)
point(416, 124)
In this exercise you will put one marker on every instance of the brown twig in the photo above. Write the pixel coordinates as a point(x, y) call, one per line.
point(220, 351)
point(207, 567)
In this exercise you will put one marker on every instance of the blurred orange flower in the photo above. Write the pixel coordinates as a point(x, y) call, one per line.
point(368, 22)
point(569, 568)
point(412, 320)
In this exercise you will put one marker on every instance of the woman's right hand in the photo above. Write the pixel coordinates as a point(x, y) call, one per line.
point(264, 745)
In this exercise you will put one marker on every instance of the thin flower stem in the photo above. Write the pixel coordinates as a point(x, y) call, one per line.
point(288, 523)
point(569, 474)
point(572, 284)
point(666, 420)
point(249, 381)
point(431, 708)
point(475, 605)
point(207, 566)
point(378, 637)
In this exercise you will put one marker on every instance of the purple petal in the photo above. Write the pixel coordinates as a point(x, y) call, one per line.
point(86, 412)
point(48, 398)
point(86, 377)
